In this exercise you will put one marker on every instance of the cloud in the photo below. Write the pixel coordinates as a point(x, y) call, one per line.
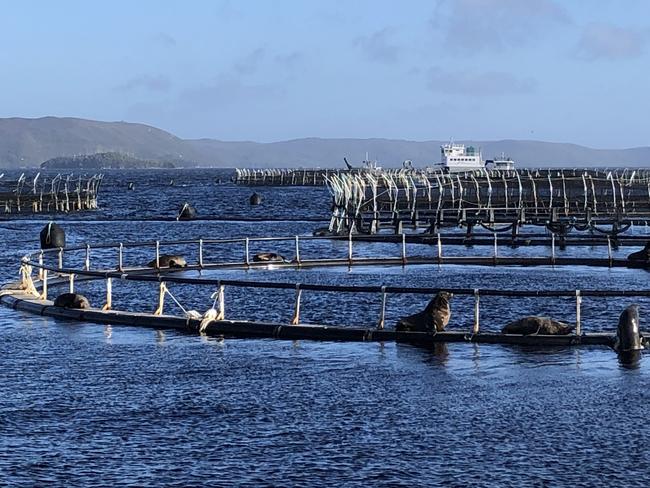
point(605, 41)
point(227, 91)
point(472, 26)
point(378, 46)
point(151, 83)
point(165, 39)
point(249, 63)
point(490, 83)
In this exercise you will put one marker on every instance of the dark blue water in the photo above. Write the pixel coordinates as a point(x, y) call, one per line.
point(90, 405)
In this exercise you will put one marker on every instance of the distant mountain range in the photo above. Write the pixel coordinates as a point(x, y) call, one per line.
point(30, 142)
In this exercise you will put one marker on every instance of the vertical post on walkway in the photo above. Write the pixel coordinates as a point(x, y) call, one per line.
point(120, 259)
point(44, 287)
point(220, 299)
point(439, 248)
point(246, 251)
point(297, 251)
point(157, 254)
point(552, 247)
point(609, 250)
point(403, 248)
point(350, 247)
point(109, 294)
point(60, 258)
point(40, 264)
point(161, 298)
point(200, 253)
point(87, 260)
point(477, 300)
point(382, 312)
point(495, 246)
point(578, 306)
point(71, 282)
point(296, 311)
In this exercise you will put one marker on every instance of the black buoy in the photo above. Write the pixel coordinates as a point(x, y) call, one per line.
point(52, 236)
point(256, 199)
point(187, 212)
point(629, 342)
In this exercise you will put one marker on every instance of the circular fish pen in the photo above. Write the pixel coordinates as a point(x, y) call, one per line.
point(331, 289)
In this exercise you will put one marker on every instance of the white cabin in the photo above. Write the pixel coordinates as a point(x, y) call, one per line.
point(457, 157)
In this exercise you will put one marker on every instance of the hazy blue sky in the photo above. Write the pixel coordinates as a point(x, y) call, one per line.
point(574, 71)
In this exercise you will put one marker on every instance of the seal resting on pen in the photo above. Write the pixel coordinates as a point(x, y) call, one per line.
point(537, 325)
point(642, 255)
point(168, 261)
point(71, 300)
point(269, 257)
point(434, 318)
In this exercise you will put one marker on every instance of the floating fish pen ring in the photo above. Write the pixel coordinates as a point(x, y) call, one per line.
point(30, 294)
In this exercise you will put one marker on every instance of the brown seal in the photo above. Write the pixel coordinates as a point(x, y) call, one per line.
point(168, 261)
point(434, 317)
point(269, 257)
point(537, 325)
point(71, 300)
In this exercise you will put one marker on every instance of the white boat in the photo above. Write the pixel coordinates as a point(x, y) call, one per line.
point(458, 158)
point(502, 163)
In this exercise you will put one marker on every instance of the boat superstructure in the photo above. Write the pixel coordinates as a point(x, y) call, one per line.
point(458, 158)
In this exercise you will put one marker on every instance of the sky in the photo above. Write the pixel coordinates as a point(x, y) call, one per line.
point(268, 70)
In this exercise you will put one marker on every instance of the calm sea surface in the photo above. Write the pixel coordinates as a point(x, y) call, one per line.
point(91, 405)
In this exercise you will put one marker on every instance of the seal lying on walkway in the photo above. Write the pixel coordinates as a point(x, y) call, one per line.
point(434, 317)
point(537, 325)
point(168, 261)
point(269, 257)
point(642, 255)
point(71, 300)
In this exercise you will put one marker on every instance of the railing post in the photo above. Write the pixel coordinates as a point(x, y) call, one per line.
point(157, 254)
point(120, 257)
point(350, 247)
point(297, 251)
point(477, 300)
point(109, 294)
point(60, 258)
point(246, 252)
point(222, 307)
point(71, 282)
point(40, 264)
point(552, 247)
point(609, 250)
point(296, 311)
point(439, 248)
point(44, 285)
point(382, 312)
point(87, 260)
point(200, 253)
point(578, 306)
point(495, 246)
point(403, 248)
point(161, 298)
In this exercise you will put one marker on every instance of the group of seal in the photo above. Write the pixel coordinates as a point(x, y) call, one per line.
point(434, 318)
point(269, 257)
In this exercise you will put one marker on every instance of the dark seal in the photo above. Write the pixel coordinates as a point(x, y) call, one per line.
point(168, 261)
point(642, 255)
point(255, 199)
point(537, 325)
point(434, 317)
point(269, 257)
point(71, 300)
